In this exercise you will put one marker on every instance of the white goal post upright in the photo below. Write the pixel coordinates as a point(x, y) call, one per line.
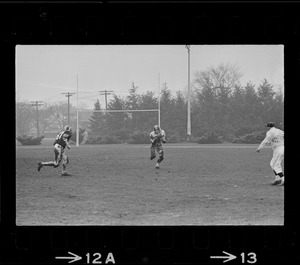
point(159, 100)
point(77, 125)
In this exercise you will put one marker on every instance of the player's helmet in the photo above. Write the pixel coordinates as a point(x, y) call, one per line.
point(270, 124)
point(68, 128)
point(156, 127)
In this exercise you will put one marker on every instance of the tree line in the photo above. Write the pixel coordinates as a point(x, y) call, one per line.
point(124, 124)
point(220, 104)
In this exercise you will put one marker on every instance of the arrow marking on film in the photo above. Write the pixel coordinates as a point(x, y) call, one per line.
point(74, 258)
point(228, 257)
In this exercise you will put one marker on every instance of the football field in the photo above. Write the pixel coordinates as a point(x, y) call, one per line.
point(119, 185)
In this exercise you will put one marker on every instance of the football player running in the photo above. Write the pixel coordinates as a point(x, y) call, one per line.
point(60, 143)
point(157, 137)
point(275, 137)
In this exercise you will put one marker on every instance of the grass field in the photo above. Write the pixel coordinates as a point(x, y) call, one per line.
point(119, 185)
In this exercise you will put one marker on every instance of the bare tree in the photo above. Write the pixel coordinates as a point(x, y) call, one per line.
point(25, 117)
point(59, 112)
point(221, 79)
point(46, 118)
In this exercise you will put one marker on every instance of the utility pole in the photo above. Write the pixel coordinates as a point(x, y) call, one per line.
point(189, 96)
point(37, 104)
point(68, 95)
point(159, 99)
point(106, 92)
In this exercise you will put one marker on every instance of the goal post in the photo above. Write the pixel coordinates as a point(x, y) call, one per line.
point(126, 111)
point(116, 111)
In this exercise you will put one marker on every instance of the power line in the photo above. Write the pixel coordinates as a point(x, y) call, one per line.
point(51, 97)
point(94, 96)
point(106, 92)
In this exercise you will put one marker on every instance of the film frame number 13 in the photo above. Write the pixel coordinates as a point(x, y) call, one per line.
point(249, 257)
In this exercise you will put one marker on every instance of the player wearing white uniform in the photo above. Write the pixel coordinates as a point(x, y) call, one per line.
point(157, 137)
point(275, 137)
point(60, 143)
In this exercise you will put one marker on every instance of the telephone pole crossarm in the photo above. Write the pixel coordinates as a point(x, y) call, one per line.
point(106, 93)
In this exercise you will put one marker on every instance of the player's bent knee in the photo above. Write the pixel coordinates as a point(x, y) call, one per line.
point(57, 163)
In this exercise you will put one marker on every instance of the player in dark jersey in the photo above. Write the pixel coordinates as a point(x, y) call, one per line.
point(60, 143)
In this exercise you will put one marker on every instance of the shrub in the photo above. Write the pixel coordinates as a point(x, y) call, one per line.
point(122, 134)
point(106, 139)
point(173, 137)
point(30, 140)
point(93, 139)
point(252, 138)
point(210, 138)
point(190, 139)
point(110, 139)
point(229, 138)
point(139, 138)
point(73, 137)
point(243, 131)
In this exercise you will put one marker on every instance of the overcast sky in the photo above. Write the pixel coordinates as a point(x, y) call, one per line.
point(44, 72)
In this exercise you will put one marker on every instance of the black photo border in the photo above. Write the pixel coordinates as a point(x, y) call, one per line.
point(149, 22)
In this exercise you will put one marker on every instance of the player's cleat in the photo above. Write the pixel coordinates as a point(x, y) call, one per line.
point(282, 182)
point(157, 165)
point(40, 165)
point(276, 182)
point(65, 174)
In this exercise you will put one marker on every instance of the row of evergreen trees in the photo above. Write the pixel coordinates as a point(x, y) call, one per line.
point(227, 111)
